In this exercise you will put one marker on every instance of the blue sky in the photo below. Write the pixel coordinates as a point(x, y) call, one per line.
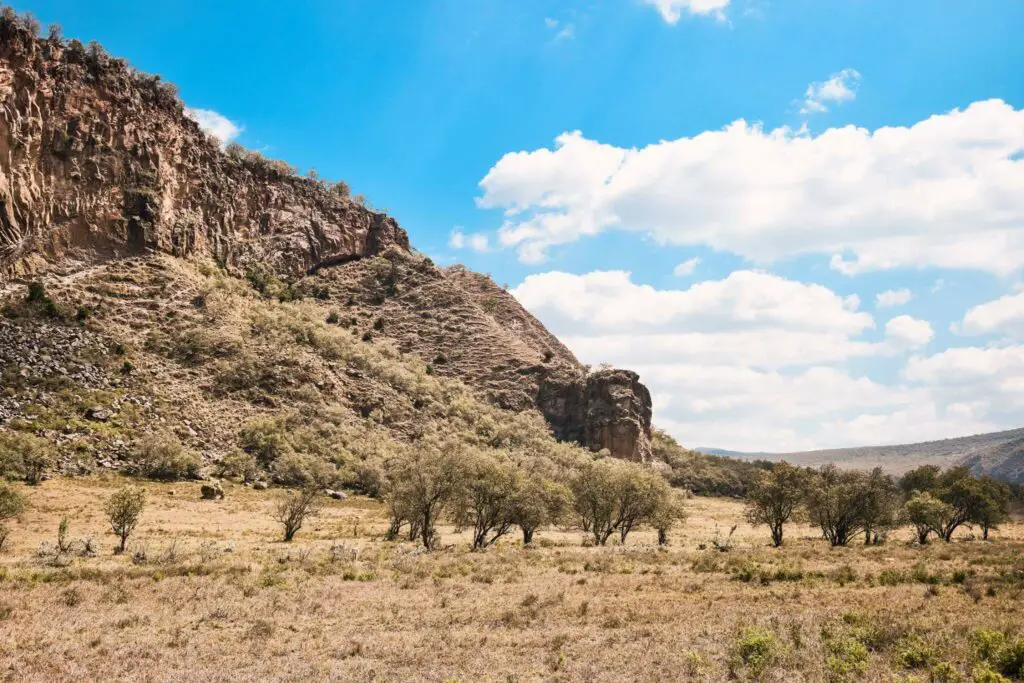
point(800, 216)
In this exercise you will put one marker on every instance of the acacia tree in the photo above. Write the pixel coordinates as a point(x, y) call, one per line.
point(923, 478)
point(595, 498)
point(881, 504)
point(965, 501)
point(668, 512)
point(124, 509)
point(966, 497)
point(836, 503)
point(775, 497)
point(539, 502)
point(994, 508)
point(421, 483)
point(615, 496)
point(641, 493)
point(486, 500)
point(926, 513)
point(294, 508)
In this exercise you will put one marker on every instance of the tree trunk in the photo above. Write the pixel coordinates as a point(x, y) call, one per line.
point(427, 531)
point(393, 530)
point(662, 536)
point(777, 535)
point(984, 532)
point(527, 536)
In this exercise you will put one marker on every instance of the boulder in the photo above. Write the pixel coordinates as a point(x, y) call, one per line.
point(98, 414)
point(212, 491)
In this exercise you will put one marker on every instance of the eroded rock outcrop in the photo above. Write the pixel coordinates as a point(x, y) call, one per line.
point(607, 409)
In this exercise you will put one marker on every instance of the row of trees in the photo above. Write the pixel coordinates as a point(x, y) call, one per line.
point(493, 493)
point(846, 504)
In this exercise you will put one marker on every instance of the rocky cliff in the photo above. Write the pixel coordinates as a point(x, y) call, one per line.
point(100, 163)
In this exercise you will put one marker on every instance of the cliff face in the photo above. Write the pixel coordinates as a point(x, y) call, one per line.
point(608, 409)
point(99, 163)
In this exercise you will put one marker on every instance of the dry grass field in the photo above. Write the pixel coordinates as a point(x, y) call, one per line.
point(208, 592)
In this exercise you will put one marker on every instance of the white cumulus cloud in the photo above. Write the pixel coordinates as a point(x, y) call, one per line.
point(755, 361)
point(946, 192)
point(908, 331)
point(893, 297)
point(686, 267)
point(673, 10)
point(217, 125)
point(840, 87)
point(475, 241)
point(1004, 315)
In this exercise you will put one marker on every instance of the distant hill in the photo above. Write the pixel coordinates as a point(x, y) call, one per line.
point(999, 454)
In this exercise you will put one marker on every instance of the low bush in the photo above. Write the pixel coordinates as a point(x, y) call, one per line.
point(845, 657)
point(24, 456)
point(756, 649)
point(163, 457)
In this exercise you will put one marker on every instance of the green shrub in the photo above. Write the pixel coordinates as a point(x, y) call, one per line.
point(999, 652)
point(756, 649)
point(891, 577)
point(983, 674)
point(24, 456)
point(238, 465)
point(845, 657)
point(945, 672)
point(12, 504)
point(297, 469)
point(987, 644)
point(163, 457)
point(914, 653)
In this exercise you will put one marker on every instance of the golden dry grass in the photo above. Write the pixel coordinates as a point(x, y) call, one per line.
point(218, 597)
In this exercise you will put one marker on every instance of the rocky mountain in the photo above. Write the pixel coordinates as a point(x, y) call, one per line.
point(999, 454)
point(149, 275)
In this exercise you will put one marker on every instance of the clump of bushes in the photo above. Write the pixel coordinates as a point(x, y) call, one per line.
point(845, 657)
point(999, 653)
point(162, 456)
point(24, 456)
point(756, 650)
point(12, 504)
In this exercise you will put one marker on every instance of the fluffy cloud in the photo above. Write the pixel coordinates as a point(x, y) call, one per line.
point(744, 301)
point(686, 267)
point(946, 192)
point(673, 10)
point(840, 87)
point(743, 362)
point(755, 361)
point(1004, 315)
point(217, 125)
point(908, 331)
point(981, 383)
point(893, 297)
point(476, 241)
